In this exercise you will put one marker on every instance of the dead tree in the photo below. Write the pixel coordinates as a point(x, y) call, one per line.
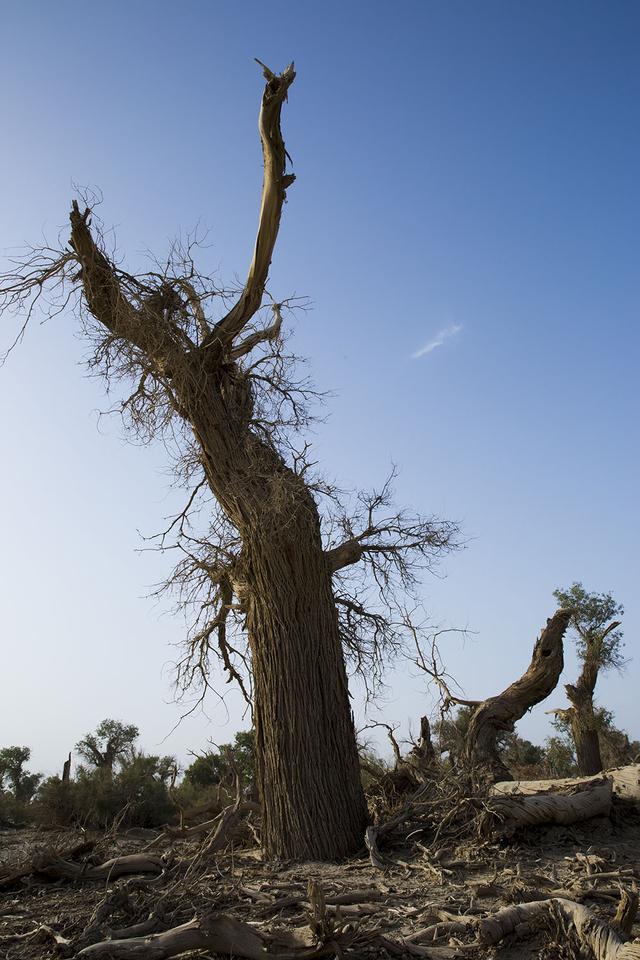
point(599, 647)
point(274, 583)
point(499, 714)
point(66, 770)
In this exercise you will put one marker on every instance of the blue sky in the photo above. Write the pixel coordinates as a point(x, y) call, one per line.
point(467, 173)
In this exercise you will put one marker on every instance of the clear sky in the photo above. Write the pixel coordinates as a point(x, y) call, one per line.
point(465, 221)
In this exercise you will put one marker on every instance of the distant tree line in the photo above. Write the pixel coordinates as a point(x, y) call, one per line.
point(116, 782)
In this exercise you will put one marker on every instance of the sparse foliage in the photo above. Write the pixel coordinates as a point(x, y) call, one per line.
point(111, 742)
point(17, 785)
point(599, 644)
point(222, 764)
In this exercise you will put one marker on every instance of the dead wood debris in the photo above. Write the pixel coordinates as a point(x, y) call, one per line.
point(448, 875)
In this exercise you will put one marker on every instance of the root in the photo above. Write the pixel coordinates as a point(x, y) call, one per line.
point(522, 919)
point(218, 934)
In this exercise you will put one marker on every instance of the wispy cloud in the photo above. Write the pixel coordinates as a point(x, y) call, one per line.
point(445, 334)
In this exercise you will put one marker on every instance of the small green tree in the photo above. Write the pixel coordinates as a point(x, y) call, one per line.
point(111, 742)
point(451, 733)
point(598, 639)
point(560, 756)
point(219, 765)
point(21, 783)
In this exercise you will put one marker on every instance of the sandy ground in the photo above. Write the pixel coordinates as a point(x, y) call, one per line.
point(393, 906)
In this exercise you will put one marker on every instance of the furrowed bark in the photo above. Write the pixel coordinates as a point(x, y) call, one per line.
point(308, 767)
point(582, 719)
point(499, 714)
point(581, 714)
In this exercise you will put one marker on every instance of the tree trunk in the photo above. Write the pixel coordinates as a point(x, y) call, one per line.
point(307, 760)
point(308, 769)
point(499, 714)
point(587, 742)
point(581, 716)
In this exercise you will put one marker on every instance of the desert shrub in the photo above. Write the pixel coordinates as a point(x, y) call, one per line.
point(560, 757)
point(136, 796)
point(17, 785)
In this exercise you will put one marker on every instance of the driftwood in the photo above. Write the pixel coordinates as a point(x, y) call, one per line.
point(12, 874)
point(521, 920)
point(499, 714)
point(510, 813)
point(51, 865)
point(625, 783)
point(626, 913)
point(217, 934)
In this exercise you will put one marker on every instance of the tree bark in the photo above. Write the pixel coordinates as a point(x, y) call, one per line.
point(625, 782)
point(219, 934)
point(499, 714)
point(586, 800)
point(582, 720)
point(587, 742)
point(51, 865)
point(581, 716)
point(307, 761)
point(599, 938)
point(308, 772)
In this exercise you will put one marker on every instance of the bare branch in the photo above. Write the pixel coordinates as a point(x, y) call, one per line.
point(260, 336)
point(395, 544)
point(274, 187)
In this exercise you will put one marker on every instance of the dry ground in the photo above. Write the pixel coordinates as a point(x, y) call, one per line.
point(389, 910)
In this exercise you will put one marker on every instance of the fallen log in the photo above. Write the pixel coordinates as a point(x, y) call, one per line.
point(217, 934)
point(227, 819)
point(49, 864)
point(508, 813)
point(625, 782)
point(12, 874)
point(626, 913)
point(522, 919)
